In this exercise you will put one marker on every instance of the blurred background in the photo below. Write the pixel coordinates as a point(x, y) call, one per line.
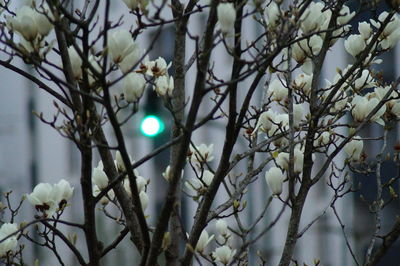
point(32, 152)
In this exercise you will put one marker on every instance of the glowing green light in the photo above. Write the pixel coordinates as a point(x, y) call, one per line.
point(151, 126)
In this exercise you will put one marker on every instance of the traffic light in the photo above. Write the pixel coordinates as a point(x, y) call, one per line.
point(152, 124)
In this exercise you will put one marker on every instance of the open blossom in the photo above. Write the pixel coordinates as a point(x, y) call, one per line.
point(304, 49)
point(47, 198)
point(156, 68)
point(224, 254)
point(354, 148)
point(202, 153)
point(362, 107)
point(226, 16)
point(30, 23)
point(365, 81)
point(133, 86)
point(203, 241)
point(312, 18)
point(354, 44)
point(123, 49)
point(391, 34)
point(62, 191)
point(277, 91)
point(274, 178)
point(345, 15)
point(11, 242)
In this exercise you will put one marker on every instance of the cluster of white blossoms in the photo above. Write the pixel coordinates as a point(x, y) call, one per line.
point(316, 18)
point(356, 43)
point(48, 199)
point(224, 252)
point(200, 155)
point(100, 182)
point(8, 238)
point(32, 23)
point(356, 92)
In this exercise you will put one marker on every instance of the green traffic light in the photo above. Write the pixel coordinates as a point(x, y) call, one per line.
point(151, 126)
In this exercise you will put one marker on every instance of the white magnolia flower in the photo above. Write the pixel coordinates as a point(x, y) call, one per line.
point(164, 85)
point(144, 200)
point(62, 191)
point(11, 242)
point(298, 115)
point(105, 199)
point(274, 178)
point(122, 47)
point(133, 86)
point(307, 48)
point(167, 173)
point(47, 198)
point(202, 153)
point(272, 14)
point(283, 160)
point(222, 227)
point(323, 139)
point(226, 17)
point(394, 107)
point(203, 241)
point(277, 91)
point(312, 18)
point(362, 107)
point(224, 254)
point(76, 62)
point(94, 62)
point(354, 44)
point(365, 81)
point(156, 68)
point(201, 183)
point(303, 83)
point(42, 198)
point(99, 178)
point(141, 182)
point(391, 33)
point(365, 30)
point(354, 148)
point(345, 15)
point(30, 23)
point(265, 121)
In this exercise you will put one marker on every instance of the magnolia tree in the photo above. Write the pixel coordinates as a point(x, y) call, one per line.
point(97, 71)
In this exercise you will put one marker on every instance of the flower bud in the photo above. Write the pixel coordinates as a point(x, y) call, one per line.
point(226, 16)
point(224, 254)
point(133, 87)
point(275, 178)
